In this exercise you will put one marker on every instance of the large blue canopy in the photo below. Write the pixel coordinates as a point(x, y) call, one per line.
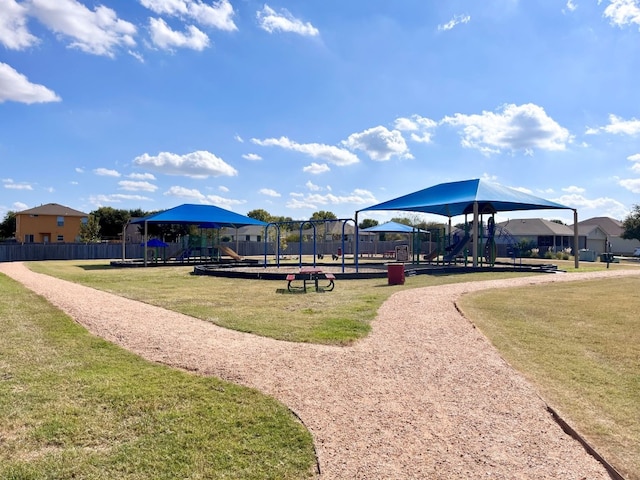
point(392, 227)
point(207, 216)
point(458, 198)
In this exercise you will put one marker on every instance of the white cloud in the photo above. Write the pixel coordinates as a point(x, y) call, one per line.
point(19, 206)
point(420, 127)
point(218, 15)
point(611, 207)
point(252, 156)
point(524, 127)
point(105, 172)
point(623, 12)
point(102, 200)
point(329, 153)
point(134, 186)
point(617, 126)
point(17, 88)
point(238, 138)
point(269, 192)
point(316, 168)
point(79, 170)
point(271, 21)
point(315, 200)
point(98, 32)
point(222, 202)
point(164, 37)
point(573, 189)
point(313, 187)
point(8, 183)
point(379, 143)
point(456, 20)
point(636, 162)
point(142, 176)
point(631, 184)
point(224, 189)
point(199, 164)
point(571, 6)
point(188, 193)
point(13, 26)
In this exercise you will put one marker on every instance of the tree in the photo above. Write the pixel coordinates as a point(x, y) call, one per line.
point(8, 226)
point(90, 231)
point(111, 220)
point(260, 214)
point(368, 223)
point(403, 220)
point(323, 215)
point(631, 225)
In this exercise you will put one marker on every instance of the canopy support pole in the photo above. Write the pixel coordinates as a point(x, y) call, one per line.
point(357, 247)
point(474, 233)
point(576, 249)
point(146, 239)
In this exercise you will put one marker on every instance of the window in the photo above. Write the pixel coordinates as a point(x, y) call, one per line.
point(258, 238)
point(84, 220)
point(28, 238)
point(61, 238)
point(61, 221)
point(248, 238)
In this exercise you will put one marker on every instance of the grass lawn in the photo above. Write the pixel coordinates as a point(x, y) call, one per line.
point(337, 317)
point(579, 342)
point(75, 406)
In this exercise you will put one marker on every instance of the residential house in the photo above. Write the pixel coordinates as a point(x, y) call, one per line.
point(542, 234)
point(49, 223)
point(599, 230)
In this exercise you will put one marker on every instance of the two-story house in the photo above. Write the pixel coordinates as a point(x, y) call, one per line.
point(50, 223)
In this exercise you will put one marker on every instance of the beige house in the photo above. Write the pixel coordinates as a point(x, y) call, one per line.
point(50, 223)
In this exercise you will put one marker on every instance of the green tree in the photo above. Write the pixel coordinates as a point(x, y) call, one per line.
point(631, 225)
point(260, 214)
point(90, 231)
point(111, 221)
point(323, 215)
point(368, 223)
point(8, 225)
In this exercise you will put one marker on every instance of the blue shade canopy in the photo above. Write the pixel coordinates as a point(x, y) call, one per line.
point(392, 227)
point(207, 216)
point(457, 198)
point(154, 242)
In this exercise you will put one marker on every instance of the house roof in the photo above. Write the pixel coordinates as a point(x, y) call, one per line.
point(53, 209)
point(457, 198)
point(207, 216)
point(535, 226)
point(608, 225)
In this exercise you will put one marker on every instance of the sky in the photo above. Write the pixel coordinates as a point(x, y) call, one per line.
point(295, 107)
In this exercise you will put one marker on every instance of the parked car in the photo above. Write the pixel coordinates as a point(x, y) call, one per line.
point(636, 252)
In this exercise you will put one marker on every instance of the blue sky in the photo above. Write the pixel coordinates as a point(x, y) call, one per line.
point(296, 107)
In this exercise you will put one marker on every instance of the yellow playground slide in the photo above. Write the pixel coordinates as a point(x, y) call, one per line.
point(227, 251)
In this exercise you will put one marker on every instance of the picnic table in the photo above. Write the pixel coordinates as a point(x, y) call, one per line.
point(389, 254)
point(312, 275)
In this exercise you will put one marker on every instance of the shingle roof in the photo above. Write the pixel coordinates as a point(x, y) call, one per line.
point(54, 209)
point(609, 225)
point(535, 226)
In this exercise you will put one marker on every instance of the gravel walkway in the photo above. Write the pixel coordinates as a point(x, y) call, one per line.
point(425, 396)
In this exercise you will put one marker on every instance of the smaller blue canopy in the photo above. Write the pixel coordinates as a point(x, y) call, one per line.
point(208, 216)
point(392, 227)
point(155, 242)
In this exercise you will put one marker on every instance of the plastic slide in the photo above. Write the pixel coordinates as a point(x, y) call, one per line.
point(227, 251)
point(457, 248)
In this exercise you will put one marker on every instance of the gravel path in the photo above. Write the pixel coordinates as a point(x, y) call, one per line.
point(424, 396)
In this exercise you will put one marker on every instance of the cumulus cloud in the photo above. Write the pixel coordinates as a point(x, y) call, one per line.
point(102, 200)
point(623, 12)
point(617, 126)
point(16, 87)
point(636, 162)
point(106, 172)
point(380, 143)
point(271, 21)
point(456, 20)
point(313, 187)
point(13, 26)
point(329, 153)
point(316, 168)
point(252, 157)
point(193, 194)
point(10, 184)
point(269, 192)
point(164, 37)
point(19, 206)
point(142, 176)
point(218, 15)
point(421, 128)
point(98, 32)
point(315, 200)
point(199, 164)
point(134, 186)
point(571, 7)
point(631, 184)
point(573, 189)
point(612, 207)
point(513, 127)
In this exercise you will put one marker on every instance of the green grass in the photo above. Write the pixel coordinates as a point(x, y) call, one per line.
point(338, 317)
point(75, 406)
point(579, 342)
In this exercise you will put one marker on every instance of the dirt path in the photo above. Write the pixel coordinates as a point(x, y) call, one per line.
point(424, 396)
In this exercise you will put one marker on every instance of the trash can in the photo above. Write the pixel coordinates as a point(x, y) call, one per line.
point(339, 252)
point(395, 273)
